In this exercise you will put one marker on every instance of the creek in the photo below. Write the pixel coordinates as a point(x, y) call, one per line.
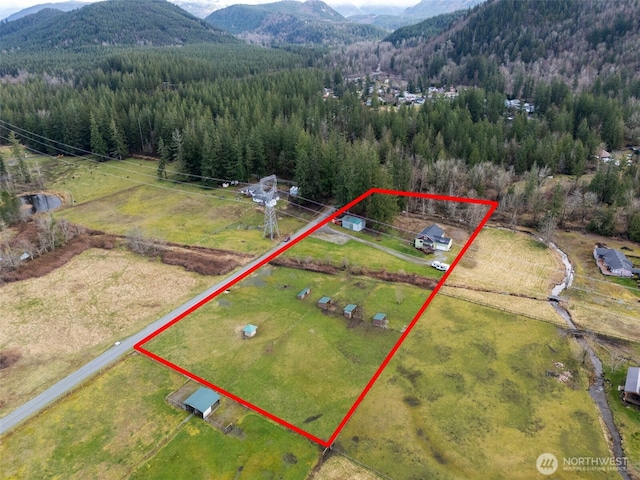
point(597, 389)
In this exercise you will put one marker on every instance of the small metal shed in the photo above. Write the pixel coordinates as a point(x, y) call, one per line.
point(380, 320)
point(350, 309)
point(249, 331)
point(304, 293)
point(353, 223)
point(324, 302)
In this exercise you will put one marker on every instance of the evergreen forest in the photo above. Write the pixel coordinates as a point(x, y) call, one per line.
point(223, 112)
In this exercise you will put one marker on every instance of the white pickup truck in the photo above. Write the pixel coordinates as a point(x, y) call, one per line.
point(440, 266)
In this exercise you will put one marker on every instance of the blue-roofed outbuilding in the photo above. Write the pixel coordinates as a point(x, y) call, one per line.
point(249, 331)
point(203, 402)
point(350, 309)
point(380, 320)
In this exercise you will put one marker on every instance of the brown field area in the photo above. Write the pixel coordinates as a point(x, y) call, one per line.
point(53, 324)
point(503, 261)
point(338, 467)
point(526, 307)
point(602, 303)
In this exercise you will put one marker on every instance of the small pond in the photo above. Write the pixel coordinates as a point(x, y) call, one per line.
point(39, 202)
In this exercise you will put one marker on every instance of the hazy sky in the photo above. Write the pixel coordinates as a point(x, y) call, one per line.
point(20, 4)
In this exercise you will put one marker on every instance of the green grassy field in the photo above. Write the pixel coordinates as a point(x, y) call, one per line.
point(627, 418)
point(109, 428)
point(304, 366)
point(119, 196)
point(473, 393)
point(265, 451)
point(353, 253)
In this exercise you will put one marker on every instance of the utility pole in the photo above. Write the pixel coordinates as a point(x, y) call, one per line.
point(269, 186)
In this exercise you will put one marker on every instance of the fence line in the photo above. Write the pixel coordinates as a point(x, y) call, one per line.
point(560, 325)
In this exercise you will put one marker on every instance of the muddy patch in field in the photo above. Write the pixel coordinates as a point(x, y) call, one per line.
point(253, 281)
point(9, 357)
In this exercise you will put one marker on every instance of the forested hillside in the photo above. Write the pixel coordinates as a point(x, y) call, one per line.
point(115, 22)
point(308, 23)
point(237, 112)
point(212, 122)
point(502, 44)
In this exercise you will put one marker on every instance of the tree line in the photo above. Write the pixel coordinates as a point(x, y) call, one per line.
point(219, 124)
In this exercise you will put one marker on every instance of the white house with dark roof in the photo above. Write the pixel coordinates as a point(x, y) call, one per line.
point(632, 386)
point(614, 262)
point(433, 237)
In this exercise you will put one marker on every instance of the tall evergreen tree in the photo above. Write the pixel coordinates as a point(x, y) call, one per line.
point(98, 144)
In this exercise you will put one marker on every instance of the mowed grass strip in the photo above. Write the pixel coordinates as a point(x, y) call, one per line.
point(355, 254)
point(109, 428)
point(56, 323)
point(303, 366)
point(475, 393)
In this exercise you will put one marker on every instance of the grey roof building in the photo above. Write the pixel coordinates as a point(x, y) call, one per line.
point(614, 262)
point(433, 236)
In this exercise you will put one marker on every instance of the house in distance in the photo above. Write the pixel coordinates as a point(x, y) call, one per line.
point(433, 237)
point(632, 386)
point(614, 262)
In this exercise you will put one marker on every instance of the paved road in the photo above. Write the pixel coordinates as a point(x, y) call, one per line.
point(96, 365)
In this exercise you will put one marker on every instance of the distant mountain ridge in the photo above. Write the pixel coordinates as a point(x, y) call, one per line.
point(392, 17)
point(513, 44)
point(309, 22)
point(113, 22)
point(62, 6)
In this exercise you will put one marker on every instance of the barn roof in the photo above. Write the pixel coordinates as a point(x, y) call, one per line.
point(324, 300)
point(633, 380)
point(202, 399)
point(614, 259)
point(350, 308)
point(350, 219)
point(380, 316)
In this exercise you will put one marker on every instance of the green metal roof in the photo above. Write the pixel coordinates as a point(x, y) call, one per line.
point(250, 328)
point(304, 291)
point(350, 308)
point(380, 316)
point(324, 300)
point(350, 219)
point(202, 399)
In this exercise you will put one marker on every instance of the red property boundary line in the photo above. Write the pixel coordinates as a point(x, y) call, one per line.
point(325, 443)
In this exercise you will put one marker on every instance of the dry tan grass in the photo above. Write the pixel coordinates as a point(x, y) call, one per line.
point(596, 301)
point(504, 261)
point(59, 321)
point(339, 468)
point(537, 309)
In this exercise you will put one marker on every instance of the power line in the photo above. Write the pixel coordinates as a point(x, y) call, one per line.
point(115, 165)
